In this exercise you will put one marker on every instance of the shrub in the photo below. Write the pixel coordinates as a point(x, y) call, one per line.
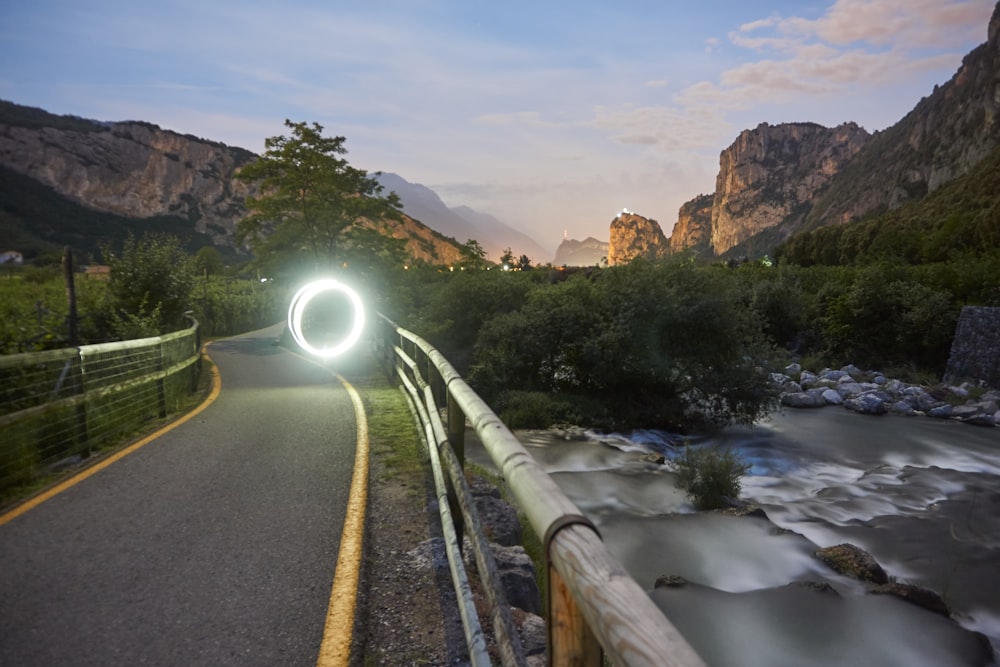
point(711, 477)
point(535, 409)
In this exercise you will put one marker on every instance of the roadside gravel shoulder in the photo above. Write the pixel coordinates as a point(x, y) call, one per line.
point(407, 613)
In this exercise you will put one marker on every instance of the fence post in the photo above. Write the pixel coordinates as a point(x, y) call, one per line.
point(571, 641)
point(456, 438)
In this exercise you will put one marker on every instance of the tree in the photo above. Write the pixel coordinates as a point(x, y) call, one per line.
point(473, 254)
point(150, 286)
point(523, 263)
point(311, 201)
point(507, 258)
point(208, 261)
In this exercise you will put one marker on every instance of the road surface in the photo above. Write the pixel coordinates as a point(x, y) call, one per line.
point(214, 544)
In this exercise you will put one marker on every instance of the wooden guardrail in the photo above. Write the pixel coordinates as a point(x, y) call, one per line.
point(595, 608)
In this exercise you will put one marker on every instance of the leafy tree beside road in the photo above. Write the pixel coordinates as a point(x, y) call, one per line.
point(312, 204)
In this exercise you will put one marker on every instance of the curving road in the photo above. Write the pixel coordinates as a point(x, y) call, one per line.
point(214, 544)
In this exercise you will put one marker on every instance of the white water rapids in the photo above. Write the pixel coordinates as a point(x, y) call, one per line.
point(921, 495)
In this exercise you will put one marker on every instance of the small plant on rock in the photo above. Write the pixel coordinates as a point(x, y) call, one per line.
point(712, 478)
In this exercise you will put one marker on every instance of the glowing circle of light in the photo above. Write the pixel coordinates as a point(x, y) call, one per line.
point(298, 307)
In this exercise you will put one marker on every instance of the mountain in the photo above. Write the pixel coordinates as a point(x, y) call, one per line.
point(461, 223)
point(693, 229)
point(771, 175)
point(776, 181)
point(633, 235)
point(588, 252)
point(70, 180)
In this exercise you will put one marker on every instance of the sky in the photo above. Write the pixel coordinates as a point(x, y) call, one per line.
point(552, 116)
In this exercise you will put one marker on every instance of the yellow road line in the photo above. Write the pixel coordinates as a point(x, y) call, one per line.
point(97, 467)
point(335, 649)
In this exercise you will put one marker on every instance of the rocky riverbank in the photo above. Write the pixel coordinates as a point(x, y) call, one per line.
point(871, 392)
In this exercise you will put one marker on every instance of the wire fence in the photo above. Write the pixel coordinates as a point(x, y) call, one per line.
point(59, 406)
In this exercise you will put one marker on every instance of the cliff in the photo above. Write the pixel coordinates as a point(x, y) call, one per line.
point(588, 252)
point(776, 180)
point(693, 229)
point(771, 175)
point(136, 172)
point(633, 236)
point(945, 136)
point(130, 169)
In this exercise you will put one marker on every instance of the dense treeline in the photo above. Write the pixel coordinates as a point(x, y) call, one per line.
point(957, 222)
point(152, 286)
point(675, 344)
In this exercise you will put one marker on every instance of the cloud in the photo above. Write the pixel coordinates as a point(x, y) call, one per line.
point(882, 23)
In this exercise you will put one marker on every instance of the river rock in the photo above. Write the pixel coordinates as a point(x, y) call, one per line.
point(791, 387)
point(517, 575)
point(922, 597)
point(853, 561)
point(807, 379)
point(974, 413)
point(901, 408)
point(961, 391)
point(879, 379)
point(849, 389)
point(803, 399)
point(534, 637)
point(940, 412)
point(831, 375)
point(670, 581)
point(832, 397)
point(851, 369)
point(866, 404)
point(498, 518)
point(793, 369)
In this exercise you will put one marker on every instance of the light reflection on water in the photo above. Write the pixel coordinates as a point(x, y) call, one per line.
point(922, 496)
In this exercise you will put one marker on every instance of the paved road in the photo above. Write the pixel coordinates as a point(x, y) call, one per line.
point(215, 544)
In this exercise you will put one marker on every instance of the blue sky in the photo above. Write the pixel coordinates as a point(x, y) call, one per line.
point(552, 116)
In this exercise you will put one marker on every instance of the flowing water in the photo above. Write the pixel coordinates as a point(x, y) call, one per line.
point(921, 495)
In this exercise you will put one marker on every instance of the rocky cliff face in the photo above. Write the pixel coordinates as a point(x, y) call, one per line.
point(635, 236)
point(946, 135)
point(134, 170)
point(588, 252)
point(138, 170)
point(772, 175)
point(693, 229)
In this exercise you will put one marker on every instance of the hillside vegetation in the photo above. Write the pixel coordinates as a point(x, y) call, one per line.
point(959, 220)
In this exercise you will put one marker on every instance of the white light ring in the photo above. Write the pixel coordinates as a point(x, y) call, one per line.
point(298, 307)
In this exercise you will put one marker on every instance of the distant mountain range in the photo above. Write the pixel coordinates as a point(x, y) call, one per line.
point(461, 222)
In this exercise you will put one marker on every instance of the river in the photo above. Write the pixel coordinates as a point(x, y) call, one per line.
point(921, 495)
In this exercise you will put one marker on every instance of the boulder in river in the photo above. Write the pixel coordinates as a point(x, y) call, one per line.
point(922, 597)
point(853, 561)
point(866, 404)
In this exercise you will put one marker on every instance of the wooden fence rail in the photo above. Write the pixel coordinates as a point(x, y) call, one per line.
point(596, 609)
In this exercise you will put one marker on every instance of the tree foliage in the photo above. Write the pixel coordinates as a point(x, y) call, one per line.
point(664, 344)
point(313, 206)
point(150, 286)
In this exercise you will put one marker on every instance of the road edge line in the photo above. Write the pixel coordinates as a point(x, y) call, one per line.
point(338, 630)
point(35, 501)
